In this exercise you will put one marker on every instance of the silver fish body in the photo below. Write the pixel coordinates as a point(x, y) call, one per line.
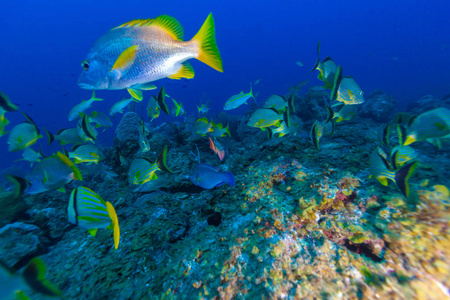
point(159, 54)
point(141, 51)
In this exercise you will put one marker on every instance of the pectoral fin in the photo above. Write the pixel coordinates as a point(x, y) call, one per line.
point(135, 93)
point(126, 59)
point(145, 86)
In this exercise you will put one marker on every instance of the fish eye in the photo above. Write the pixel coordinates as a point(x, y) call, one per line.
point(85, 65)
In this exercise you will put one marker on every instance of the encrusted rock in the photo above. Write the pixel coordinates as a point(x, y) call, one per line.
point(378, 106)
point(19, 240)
point(128, 128)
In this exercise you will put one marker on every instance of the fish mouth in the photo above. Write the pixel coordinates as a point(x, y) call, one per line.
point(85, 86)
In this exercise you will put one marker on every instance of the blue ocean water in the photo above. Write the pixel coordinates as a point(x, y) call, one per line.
point(400, 47)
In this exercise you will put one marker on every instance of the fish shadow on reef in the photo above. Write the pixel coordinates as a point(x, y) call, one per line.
point(183, 188)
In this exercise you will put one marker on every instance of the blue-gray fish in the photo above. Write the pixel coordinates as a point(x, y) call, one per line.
point(100, 119)
point(23, 135)
point(237, 100)
point(13, 284)
point(68, 136)
point(119, 106)
point(434, 123)
point(265, 117)
point(88, 153)
point(208, 177)
point(52, 173)
point(81, 107)
point(136, 53)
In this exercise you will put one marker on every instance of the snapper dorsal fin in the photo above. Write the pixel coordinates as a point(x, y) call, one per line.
point(167, 23)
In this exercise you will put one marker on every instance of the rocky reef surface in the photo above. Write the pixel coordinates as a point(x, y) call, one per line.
point(300, 224)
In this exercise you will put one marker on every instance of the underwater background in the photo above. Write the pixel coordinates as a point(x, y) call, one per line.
point(301, 222)
point(400, 47)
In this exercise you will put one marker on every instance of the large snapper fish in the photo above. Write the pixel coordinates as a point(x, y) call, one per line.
point(134, 54)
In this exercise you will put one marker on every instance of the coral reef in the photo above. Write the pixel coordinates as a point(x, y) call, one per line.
point(128, 128)
point(378, 106)
point(300, 224)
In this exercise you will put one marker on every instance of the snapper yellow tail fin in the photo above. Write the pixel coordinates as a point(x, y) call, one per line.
point(206, 39)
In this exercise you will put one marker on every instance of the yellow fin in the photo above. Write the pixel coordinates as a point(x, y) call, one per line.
point(45, 177)
point(442, 190)
point(153, 176)
point(136, 94)
point(206, 40)
point(383, 180)
point(126, 59)
point(113, 215)
point(93, 231)
point(409, 140)
point(167, 23)
point(186, 71)
point(70, 164)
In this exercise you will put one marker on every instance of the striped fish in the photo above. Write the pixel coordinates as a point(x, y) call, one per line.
point(142, 170)
point(89, 211)
point(85, 129)
point(316, 133)
point(383, 170)
point(327, 69)
point(349, 91)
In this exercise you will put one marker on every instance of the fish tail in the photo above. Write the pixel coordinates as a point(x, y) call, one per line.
point(113, 215)
point(177, 107)
point(318, 59)
point(402, 176)
point(269, 133)
point(162, 161)
point(34, 276)
point(287, 117)
point(208, 50)
point(330, 114)
point(20, 184)
point(251, 92)
point(227, 129)
point(336, 83)
point(50, 136)
point(291, 102)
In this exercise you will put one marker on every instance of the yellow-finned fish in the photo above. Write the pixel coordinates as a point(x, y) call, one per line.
point(88, 210)
point(136, 53)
